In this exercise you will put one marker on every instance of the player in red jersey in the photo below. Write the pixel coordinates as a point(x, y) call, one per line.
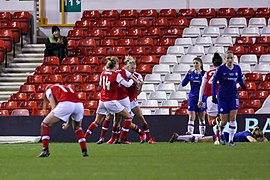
point(109, 81)
point(66, 106)
point(132, 93)
point(205, 89)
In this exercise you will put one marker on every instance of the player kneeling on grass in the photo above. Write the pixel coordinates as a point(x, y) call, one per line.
point(256, 135)
point(66, 107)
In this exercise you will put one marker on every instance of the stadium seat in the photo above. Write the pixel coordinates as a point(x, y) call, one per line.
point(7, 36)
point(83, 70)
point(157, 51)
point(74, 78)
point(107, 43)
point(246, 111)
point(191, 32)
point(141, 96)
point(150, 103)
point(70, 61)
point(172, 32)
point(179, 23)
point(150, 14)
point(196, 50)
point(185, 42)
point(245, 41)
point(133, 33)
point(75, 34)
point(249, 59)
point(129, 14)
point(204, 41)
point(187, 13)
point(27, 89)
point(152, 60)
point(127, 43)
point(229, 31)
point(24, 18)
point(263, 40)
point(93, 96)
point(72, 47)
point(63, 69)
point(19, 97)
point(252, 103)
point(5, 16)
point(176, 51)
point(237, 50)
point(224, 41)
point(238, 22)
point(245, 12)
point(211, 31)
point(144, 69)
point(114, 33)
point(161, 69)
point(141, 23)
point(184, 104)
point(152, 78)
point(221, 23)
point(95, 34)
point(39, 97)
point(251, 86)
point(181, 88)
point(102, 24)
point(243, 95)
point(87, 112)
point(81, 96)
point(3, 54)
point(162, 111)
point(262, 95)
point(29, 105)
point(265, 86)
point(181, 111)
point(110, 14)
point(168, 13)
point(92, 79)
point(166, 42)
point(181, 68)
point(146, 42)
point(51, 61)
point(41, 88)
point(245, 68)
point(20, 112)
point(207, 59)
point(172, 78)
point(264, 59)
point(199, 23)
point(4, 112)
point(44, 70)
point(93, 61)
point(39, 112)
point(257, 49)
point(138, 52)
point(255, 77)
point(52, 79)
point(92, 15)
point(257, 22)
point(91, 105)
point(86, 87)
point(154, 32)
point(146, 111)
point(9, 105)
point(212, 50)
point(187, 59)
point(158, 95)
point(87, 43)
point(265, 31)
point(148, 88)
point(122, 24)
point(117, 51)
point(160, 22)
point(226, 13)
point(251, 31)
point(178, 95)
point(207, 13)
point(15, 27)
point(83, 24)
point(168, 59)
point(34, 79)
point(166, 87)
point(263, 12)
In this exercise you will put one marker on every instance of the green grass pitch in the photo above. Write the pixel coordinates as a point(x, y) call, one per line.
point(164, 161)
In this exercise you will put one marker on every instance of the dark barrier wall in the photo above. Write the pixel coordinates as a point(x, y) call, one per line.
point(161, 127)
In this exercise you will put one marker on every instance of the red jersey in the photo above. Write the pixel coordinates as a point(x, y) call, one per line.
point(122, 90)
point(109, 84)
point(209, 75)
point(62, 93)
point(132, 89)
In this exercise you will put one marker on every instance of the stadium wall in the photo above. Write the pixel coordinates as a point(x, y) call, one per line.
point(161, 127)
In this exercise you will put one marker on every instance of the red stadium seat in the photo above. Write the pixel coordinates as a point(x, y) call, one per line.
point(245, 41)
point(27, 89)
point(81, 96)
point(157, 50)
point(92, 60)
point(137, 52)
point(161, 22)
point(71, 86)
point(262, 95)
point(35, 79)
point(72, 47)
point(122, 23)
point(3, 54)
point(129, 14)
point(92, 105)
point(92, 15)
point(75, 79)
point(263, 12)
point(75, 34)
point(39, 97)
point(251, 86)
point(150, 14)
point(29, 105)
point(146, 42)
point(168, 13)
point(243, 94)
point(15, 27)
point(63, 69)
point(255, 77)
point(51, 61)
point(172, 32)
point(252, 103)
point(127, 43)
point(114, 33)
point(84, 25)
point(187, 13)
point(141, 23)
point(133, 33)
point(264, 86)
point(95, 34)
point(207, 13)
point(4, 112)
point(19, 97)
point(226, 13)
point(154, 32)
point(5, 16)
point(9, 105)
point(117, 51)
point(52, 79)
point(103, 24)
point(70, 61)
point(84, 70)
point(39, 112)
point(82, 52)
point(179, 23)
point(245, 12)
point(144, 69)
point(44, 70)
point(166, 42)
point(181, 111)
point(7, 36)
point(184, 104)
point(87, 112)
point(92, 79)
point(257, 49)
point(151, 60)
point(93, 96)
point(237, 49)
point(24, 18)
point(41, 88)
point(267, 77)
point(87, 43)
point(99, 51)
point(263, 40)
point(246, 111)
point(86, 87)
point(110, 14)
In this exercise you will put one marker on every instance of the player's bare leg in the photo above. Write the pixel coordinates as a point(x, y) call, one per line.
point(98, 120)
point(126, 126)
point(223, 122)
point(105, 127)
point(115, 129)
point(232, 126)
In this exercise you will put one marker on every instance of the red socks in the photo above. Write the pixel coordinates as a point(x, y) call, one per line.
point(45, 129)
point(81, 140)
point(212, 122)
point(125, 128)
point(138, 130)
point(147, 131)
point(90, 129)
point(105, 127)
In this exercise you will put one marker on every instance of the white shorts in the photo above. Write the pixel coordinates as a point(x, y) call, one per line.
point(111, 107)
point(65, 110)
point(212, 108)
point(126, 103)
point(133, 104)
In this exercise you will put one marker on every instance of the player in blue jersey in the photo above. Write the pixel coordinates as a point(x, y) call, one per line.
point(195, 79)
point(256, 135)
point(228, 75)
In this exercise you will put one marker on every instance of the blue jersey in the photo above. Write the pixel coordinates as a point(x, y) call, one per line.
point(195, 82)
point(242, 136)
point(228, 78)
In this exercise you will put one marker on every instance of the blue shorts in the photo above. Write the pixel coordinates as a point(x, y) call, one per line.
point(192, 104)
point(225, 105)
point(226, 135)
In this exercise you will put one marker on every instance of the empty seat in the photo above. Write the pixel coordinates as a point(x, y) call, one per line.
point(179, 23)
point(264, 86)
point(5, 16)
point(141, 23)
point(158, 95)
point(245, 12)
point(204, 41)
point(249, 58)
point(181, 88)
point(9, 105)
point(168, 59)
point(63, 69)
point(144, 69)
point(157, 50)
point(167, 87)
point(263, 12)
point(166, 42)
point(262, 95)
point(70, 61)
point(178, 95)
point(187, 13)
point(56, 78)
point(92, 15)
point(256, 77)
point(185, 42)
point(224, 41)
point(245, 68)
point(207, 59)
point(150, 102)
point(146, 42)
point(181, 111)
point(187, 59)
point(242, 95)
point(161, 69)
point(245, 41)
point(199, 23)
point(207, 13)
point(24, 18)
point(246, 111)
point(257, 22)
point(27, 89)
point(142, 96)
point(152, 78)
point(149, 13)
point(129, 14)
point(87, 43)
point(176, 50)
point(239, 22)
point(181, 68)
point(237, 50)
point(261, 68)
point(218, 22)
point(264, 59)
point(92, 104)
point(75, 34)
point(146, 111)
point(110, 14)
point(211, 31)
point(215, 49)
point(19, 97)
point(168, 13)
point(29, 105)
point(196, 50)
point(4, 112)
point(152, 60)
point(44, 70)
point(39, 112)
point(265, 31)
point(251, 86)
point(39, 97)
point(191, 32)
point(35, 79)
point(84, 24)
point(172, 78)
point(230, 31)
point(252, 103)
point(263, 40)
point(169, 103)
point(257, 49)
point(20, 112)
point(250, 31)
point(226, 13)
point(172, 32)
point(148, 88)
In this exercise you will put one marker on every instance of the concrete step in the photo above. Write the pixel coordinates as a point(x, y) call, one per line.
point(4, 97)
point(28, 60)
point(13, 79)
point(34, 45)
point(7, 93)
point(9, 88)
point(31, 50)
point(11, 83)
point(18, 75)
point(19, 70)
point(24, 65)
point(30, 55)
